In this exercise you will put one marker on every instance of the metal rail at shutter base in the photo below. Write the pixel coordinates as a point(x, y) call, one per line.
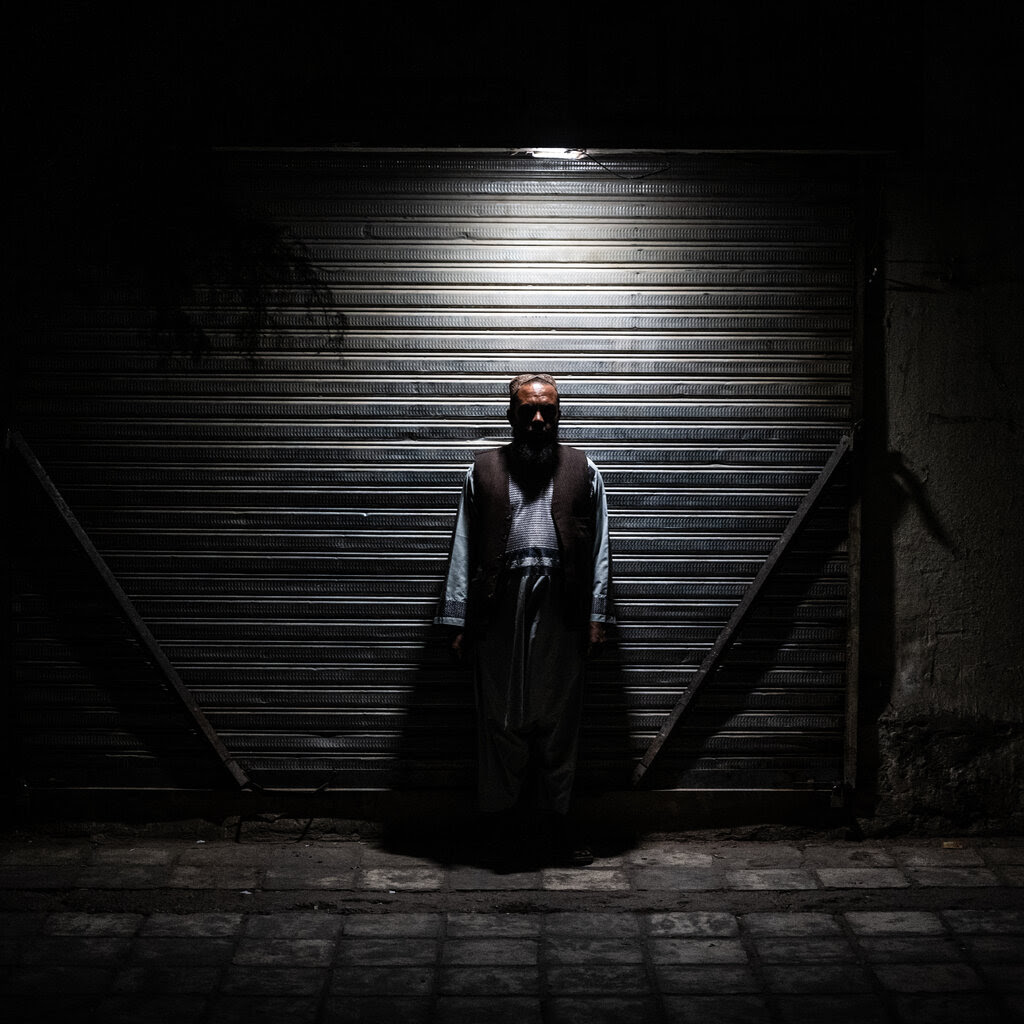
point(728, 634)
point(131, 616)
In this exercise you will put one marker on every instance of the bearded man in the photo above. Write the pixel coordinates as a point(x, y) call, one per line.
point(527, 597)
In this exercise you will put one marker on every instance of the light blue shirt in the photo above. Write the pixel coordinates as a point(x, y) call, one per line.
point(529, 530)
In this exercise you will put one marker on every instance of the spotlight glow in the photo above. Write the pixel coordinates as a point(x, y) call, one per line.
point(549, 153)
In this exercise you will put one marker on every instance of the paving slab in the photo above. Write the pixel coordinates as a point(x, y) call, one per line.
point(616, 1010)
point(476, 952)
point(500, 1010)
point(938, 857)
point(365, 981)
point(953, 877)
point(682, 923)
point(381, 1010)
point(91, 924)
point(227, 854)
point(591, 980)
point(997, 922)
point(584, 879)
point(76, 949)
point(771, 878)
point(308, 879)
point(757, 855)
point(191, 979)
point(862, 878)
point(44, 854)
point(806, 923)
point(717, 1010)
point(197, 950)
point(940, 977)
point(697, 951)
point(126, 876)
point(474, 925)
point(212, 876)
point(192, 925)
point(819, 978)
point(674, 979)
point(805, 949)
point(670, 855)
point(848, 857)
point(489, 980)
point(585, 924)
point(296, 924)
point(679, 879)
point(395, 952)
point(415, 925)
point(284, 952)
point(397, 879)
point(568, 949)
point(907, 949)
point(471, 879)
point(151, 855)
point(263, 980)
point(996, 948)
point(894, 922)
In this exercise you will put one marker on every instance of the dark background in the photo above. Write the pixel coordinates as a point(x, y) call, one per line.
point(777, 76)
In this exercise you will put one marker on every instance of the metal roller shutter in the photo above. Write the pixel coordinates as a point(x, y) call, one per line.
point(280, 516)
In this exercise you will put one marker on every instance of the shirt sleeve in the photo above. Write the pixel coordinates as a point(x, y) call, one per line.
point(600, 606)
point(451, 608)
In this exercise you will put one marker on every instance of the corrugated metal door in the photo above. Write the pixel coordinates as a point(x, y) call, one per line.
point(280, 512)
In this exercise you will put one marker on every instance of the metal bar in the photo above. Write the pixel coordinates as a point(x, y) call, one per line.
point(728, 634)
point(127, 609)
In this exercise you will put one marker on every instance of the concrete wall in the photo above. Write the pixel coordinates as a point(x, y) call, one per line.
point(943, 667)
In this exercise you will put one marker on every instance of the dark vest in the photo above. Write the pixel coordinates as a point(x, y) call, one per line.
point(573, 515)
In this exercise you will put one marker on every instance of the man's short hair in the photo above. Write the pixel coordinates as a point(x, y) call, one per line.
point(524, 378)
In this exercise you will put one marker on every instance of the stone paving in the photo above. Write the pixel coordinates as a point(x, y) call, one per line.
point(671, 930)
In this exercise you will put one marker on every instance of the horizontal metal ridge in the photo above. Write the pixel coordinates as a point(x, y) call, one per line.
point(511, 320)
point(320, 349)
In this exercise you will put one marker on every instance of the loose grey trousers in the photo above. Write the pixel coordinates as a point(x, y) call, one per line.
point(529, 671)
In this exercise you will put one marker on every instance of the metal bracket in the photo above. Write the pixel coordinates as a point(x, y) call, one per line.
point(728, 634)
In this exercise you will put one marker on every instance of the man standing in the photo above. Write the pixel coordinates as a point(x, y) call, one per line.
point(527, 596)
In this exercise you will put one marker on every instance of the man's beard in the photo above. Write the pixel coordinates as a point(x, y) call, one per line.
point(533, 457)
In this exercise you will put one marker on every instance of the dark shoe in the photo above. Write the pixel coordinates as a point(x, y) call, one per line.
point(580, 856)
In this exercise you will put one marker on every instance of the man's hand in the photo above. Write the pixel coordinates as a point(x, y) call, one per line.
point(596, 640)
point(456, 646)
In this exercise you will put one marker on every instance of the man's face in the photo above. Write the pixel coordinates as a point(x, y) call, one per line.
point(534, 414)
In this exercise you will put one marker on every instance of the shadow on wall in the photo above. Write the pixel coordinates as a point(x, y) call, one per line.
point(892, 489)
point(745, 732)
point(89, 710)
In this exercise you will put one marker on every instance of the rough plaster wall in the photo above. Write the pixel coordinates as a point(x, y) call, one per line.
point(951, 722)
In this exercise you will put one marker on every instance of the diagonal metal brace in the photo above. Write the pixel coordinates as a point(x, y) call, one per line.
point(728, 634)
point(127, 609)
